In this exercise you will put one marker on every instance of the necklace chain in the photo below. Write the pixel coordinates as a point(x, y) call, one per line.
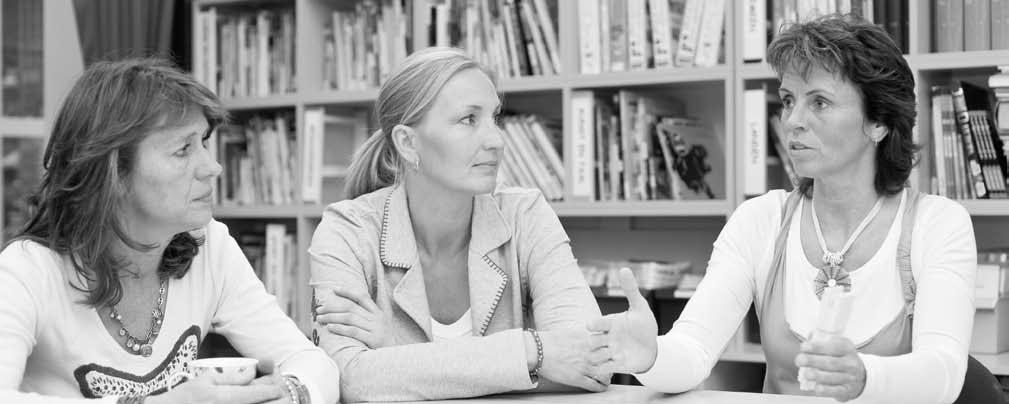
point(138, 346)
point(831, 274)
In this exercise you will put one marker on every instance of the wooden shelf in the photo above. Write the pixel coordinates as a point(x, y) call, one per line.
point(651, 77)
point(345, 97)
point(997, 364)
point(642, 208)
point(987, 207)
point(958, 60)
point(257, 212)
point(756, 71)
point(267, 102)
point(531, 84)
point(750, 352)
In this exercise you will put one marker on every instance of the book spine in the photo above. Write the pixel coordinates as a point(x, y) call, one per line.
point(583, 155)
point(588, 37)
point(754, 30)
point(689, 33)
point(755, 146)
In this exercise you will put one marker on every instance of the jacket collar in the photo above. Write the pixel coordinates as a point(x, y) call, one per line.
point(487, 278)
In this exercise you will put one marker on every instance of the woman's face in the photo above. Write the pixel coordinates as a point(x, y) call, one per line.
point(826, 129)
point(459, 141)
point(170, 187)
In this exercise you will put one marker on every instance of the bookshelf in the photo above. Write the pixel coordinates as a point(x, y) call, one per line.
point(667, 230)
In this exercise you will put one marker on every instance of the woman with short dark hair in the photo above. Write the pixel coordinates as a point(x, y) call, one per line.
point(121, 272)
point(849, 106)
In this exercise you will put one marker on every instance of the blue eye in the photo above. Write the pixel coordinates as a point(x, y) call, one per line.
point(183, 152)
point(469, 120)
point(820, 104)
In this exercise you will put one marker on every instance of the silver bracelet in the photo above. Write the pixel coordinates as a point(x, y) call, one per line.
point(297, 390)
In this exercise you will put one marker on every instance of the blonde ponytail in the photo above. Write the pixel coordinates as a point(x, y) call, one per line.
point(375, 165)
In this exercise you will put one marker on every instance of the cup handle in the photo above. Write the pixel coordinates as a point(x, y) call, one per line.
point(173, 380)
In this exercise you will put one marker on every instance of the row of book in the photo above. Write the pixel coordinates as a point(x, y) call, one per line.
point(273, 254)
point(763, 19)
point(634, 145)
point(330, 139)
point(22, 86)
point(259, 161)
point(362, 45)
point(531, 157)
point(970, 25)
point(245, 53)
point(968, 155)
point(514, 37)
point(620, 35)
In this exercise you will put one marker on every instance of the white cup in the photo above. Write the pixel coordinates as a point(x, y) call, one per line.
point(232, 371)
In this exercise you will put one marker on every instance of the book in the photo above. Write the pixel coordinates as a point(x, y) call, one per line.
point(754, 30)
point(588, 38)
point(690, 31)
point(710, 37)
point(755, 142)
point(582, 145)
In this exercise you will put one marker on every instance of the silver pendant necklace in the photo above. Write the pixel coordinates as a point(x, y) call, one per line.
point(138, 346)
point(831, 273)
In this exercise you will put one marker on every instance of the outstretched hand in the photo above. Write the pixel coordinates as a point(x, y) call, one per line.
point(631, 335)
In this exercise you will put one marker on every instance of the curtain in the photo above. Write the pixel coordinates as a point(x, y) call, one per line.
point(113, 29)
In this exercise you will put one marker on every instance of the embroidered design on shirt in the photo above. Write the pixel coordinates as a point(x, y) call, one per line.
point(97, 381)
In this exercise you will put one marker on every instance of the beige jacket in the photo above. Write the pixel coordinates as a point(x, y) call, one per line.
point(368, 244)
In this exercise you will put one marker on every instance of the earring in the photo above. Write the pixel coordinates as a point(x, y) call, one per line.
point(416, 164)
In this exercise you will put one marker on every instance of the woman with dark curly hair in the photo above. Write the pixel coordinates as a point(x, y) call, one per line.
point(849, 107)
point(121, 271)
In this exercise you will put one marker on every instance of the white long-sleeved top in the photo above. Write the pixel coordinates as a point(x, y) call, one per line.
point(943, 261)
point(54, 349)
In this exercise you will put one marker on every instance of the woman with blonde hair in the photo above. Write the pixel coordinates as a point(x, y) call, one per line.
point(430, 282)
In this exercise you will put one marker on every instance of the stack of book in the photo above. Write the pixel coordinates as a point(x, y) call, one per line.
point(514, 37)
point(259, 161)
point(642, 146)
point(603, 278)
point(362, 45)
point(530, 155)
point(967, 153)
point(273, 256)
point(999, 84)
point(620, 35)
point(245, 53)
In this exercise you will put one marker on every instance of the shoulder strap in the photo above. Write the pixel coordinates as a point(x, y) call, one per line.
point(787, 211)
point(904, 250)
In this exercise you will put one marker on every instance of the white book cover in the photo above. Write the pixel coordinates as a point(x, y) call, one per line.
point(636, 35)
point(263, 53)
point(938, 154)
point(582, 145)
point(755, 146)
point(200, 47)
point(691, 30)
point(710, 39)
point(210, 70)
point(661, 33)
point(588, 37)
point(754, 30)
point(510, 39)
point(604, 34)
point(274, 259)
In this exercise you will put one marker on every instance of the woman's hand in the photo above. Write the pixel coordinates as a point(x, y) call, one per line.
point(202, 391)
point(352, 314)
point(630, 336)
point(833, 364)
point(569, 357)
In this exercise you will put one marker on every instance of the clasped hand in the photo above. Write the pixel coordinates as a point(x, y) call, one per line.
point(352, 314)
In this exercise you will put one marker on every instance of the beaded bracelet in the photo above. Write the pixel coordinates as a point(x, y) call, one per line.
point(534, 374)
point(297, 390)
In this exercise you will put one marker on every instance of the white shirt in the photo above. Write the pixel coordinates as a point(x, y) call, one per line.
point(54, 349)
point(463, 327)
point(943, 260)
